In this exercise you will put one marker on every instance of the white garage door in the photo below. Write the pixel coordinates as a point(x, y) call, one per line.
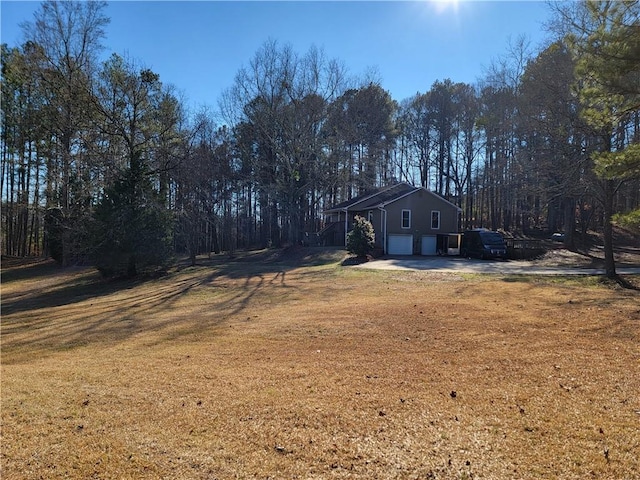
point(400, 245)
point(428, 245)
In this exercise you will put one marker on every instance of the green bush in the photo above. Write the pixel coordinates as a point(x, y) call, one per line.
point(361, 239)
point(630, 220)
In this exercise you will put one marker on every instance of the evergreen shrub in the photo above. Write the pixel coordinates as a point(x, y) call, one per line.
point(361, 239)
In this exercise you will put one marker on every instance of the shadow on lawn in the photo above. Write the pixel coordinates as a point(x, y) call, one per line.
point(63, 289)
point(273, 260)
point(59, 309)
point(16, 269)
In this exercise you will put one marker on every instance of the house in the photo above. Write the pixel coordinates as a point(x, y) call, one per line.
point(406, 219)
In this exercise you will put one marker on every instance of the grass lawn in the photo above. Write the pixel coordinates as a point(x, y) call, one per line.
point(289, 365)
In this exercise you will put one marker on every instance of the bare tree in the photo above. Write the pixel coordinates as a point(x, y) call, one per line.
point(283, 98)
point(69, 35)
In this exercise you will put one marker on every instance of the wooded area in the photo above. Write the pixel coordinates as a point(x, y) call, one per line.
point(102, 162)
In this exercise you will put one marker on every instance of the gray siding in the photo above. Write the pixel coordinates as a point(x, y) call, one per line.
point(421, 204)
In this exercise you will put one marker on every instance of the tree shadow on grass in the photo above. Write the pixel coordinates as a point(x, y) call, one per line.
point(16, 269)
point(58, 288)
point(274, 260)
point(57, 310)
point(47, 285)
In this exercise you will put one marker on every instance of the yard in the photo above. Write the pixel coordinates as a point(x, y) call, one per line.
point(290, 365)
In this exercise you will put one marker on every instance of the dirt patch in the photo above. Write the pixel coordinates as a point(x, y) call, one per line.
point(589, 252)
point(592, 258)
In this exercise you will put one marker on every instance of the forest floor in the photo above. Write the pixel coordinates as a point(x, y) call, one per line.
point(590, 252)
point(289, 364)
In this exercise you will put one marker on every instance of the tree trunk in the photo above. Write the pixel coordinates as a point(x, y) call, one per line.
point(214, 237)
point(569, 222)
point(609, 261)
point(132, 271)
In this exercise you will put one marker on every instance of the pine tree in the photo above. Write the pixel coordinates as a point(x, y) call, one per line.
point(607, 49)
point(132, 229)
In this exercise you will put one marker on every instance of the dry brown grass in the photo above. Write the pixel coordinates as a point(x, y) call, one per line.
point(264, 368)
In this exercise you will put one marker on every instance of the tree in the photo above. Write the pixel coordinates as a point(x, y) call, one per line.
point(497, 121)
point(500, 182)
point(467, 147)
point(440, 128)
point(556, 169)
point(281, 100)
point(23, 139)
point(132, 227)
point(362, 132)
point(68, 34)
point(441, 97)
point(605, 39)
point(361, 239)
point(417, 124)
point(204, 184)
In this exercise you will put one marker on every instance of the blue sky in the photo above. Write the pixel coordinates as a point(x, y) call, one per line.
point(199, 46)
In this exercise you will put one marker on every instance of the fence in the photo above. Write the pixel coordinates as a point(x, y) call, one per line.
point(524, 248)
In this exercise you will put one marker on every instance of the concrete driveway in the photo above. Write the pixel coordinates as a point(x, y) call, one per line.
point(465, 265)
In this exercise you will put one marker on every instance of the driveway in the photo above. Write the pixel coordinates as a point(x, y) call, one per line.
point(464, 265)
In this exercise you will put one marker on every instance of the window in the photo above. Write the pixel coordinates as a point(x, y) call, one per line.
point(406, 218)
point(435, 220)
point(370, 216)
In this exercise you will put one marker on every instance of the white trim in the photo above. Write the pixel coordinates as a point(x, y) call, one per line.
point(346, 225)
point(383, 221)
point(408, 227)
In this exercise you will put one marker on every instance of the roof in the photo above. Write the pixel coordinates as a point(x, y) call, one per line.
point(381, 198)
point(373, 198)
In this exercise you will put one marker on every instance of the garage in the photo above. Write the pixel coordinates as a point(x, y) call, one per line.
point(400, 245)
point(428, 245)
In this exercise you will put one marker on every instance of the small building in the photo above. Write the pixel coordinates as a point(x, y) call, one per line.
point(406, 219)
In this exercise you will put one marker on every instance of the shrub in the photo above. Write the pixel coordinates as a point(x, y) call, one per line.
point(361, 239)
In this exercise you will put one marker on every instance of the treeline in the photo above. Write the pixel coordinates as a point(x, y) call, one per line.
point(101, 162)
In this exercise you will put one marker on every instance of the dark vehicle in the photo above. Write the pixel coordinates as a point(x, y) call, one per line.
point(482, 243)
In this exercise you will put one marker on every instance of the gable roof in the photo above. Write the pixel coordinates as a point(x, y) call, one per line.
point(438, 197)
point(373, 198)
point(383, 197)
